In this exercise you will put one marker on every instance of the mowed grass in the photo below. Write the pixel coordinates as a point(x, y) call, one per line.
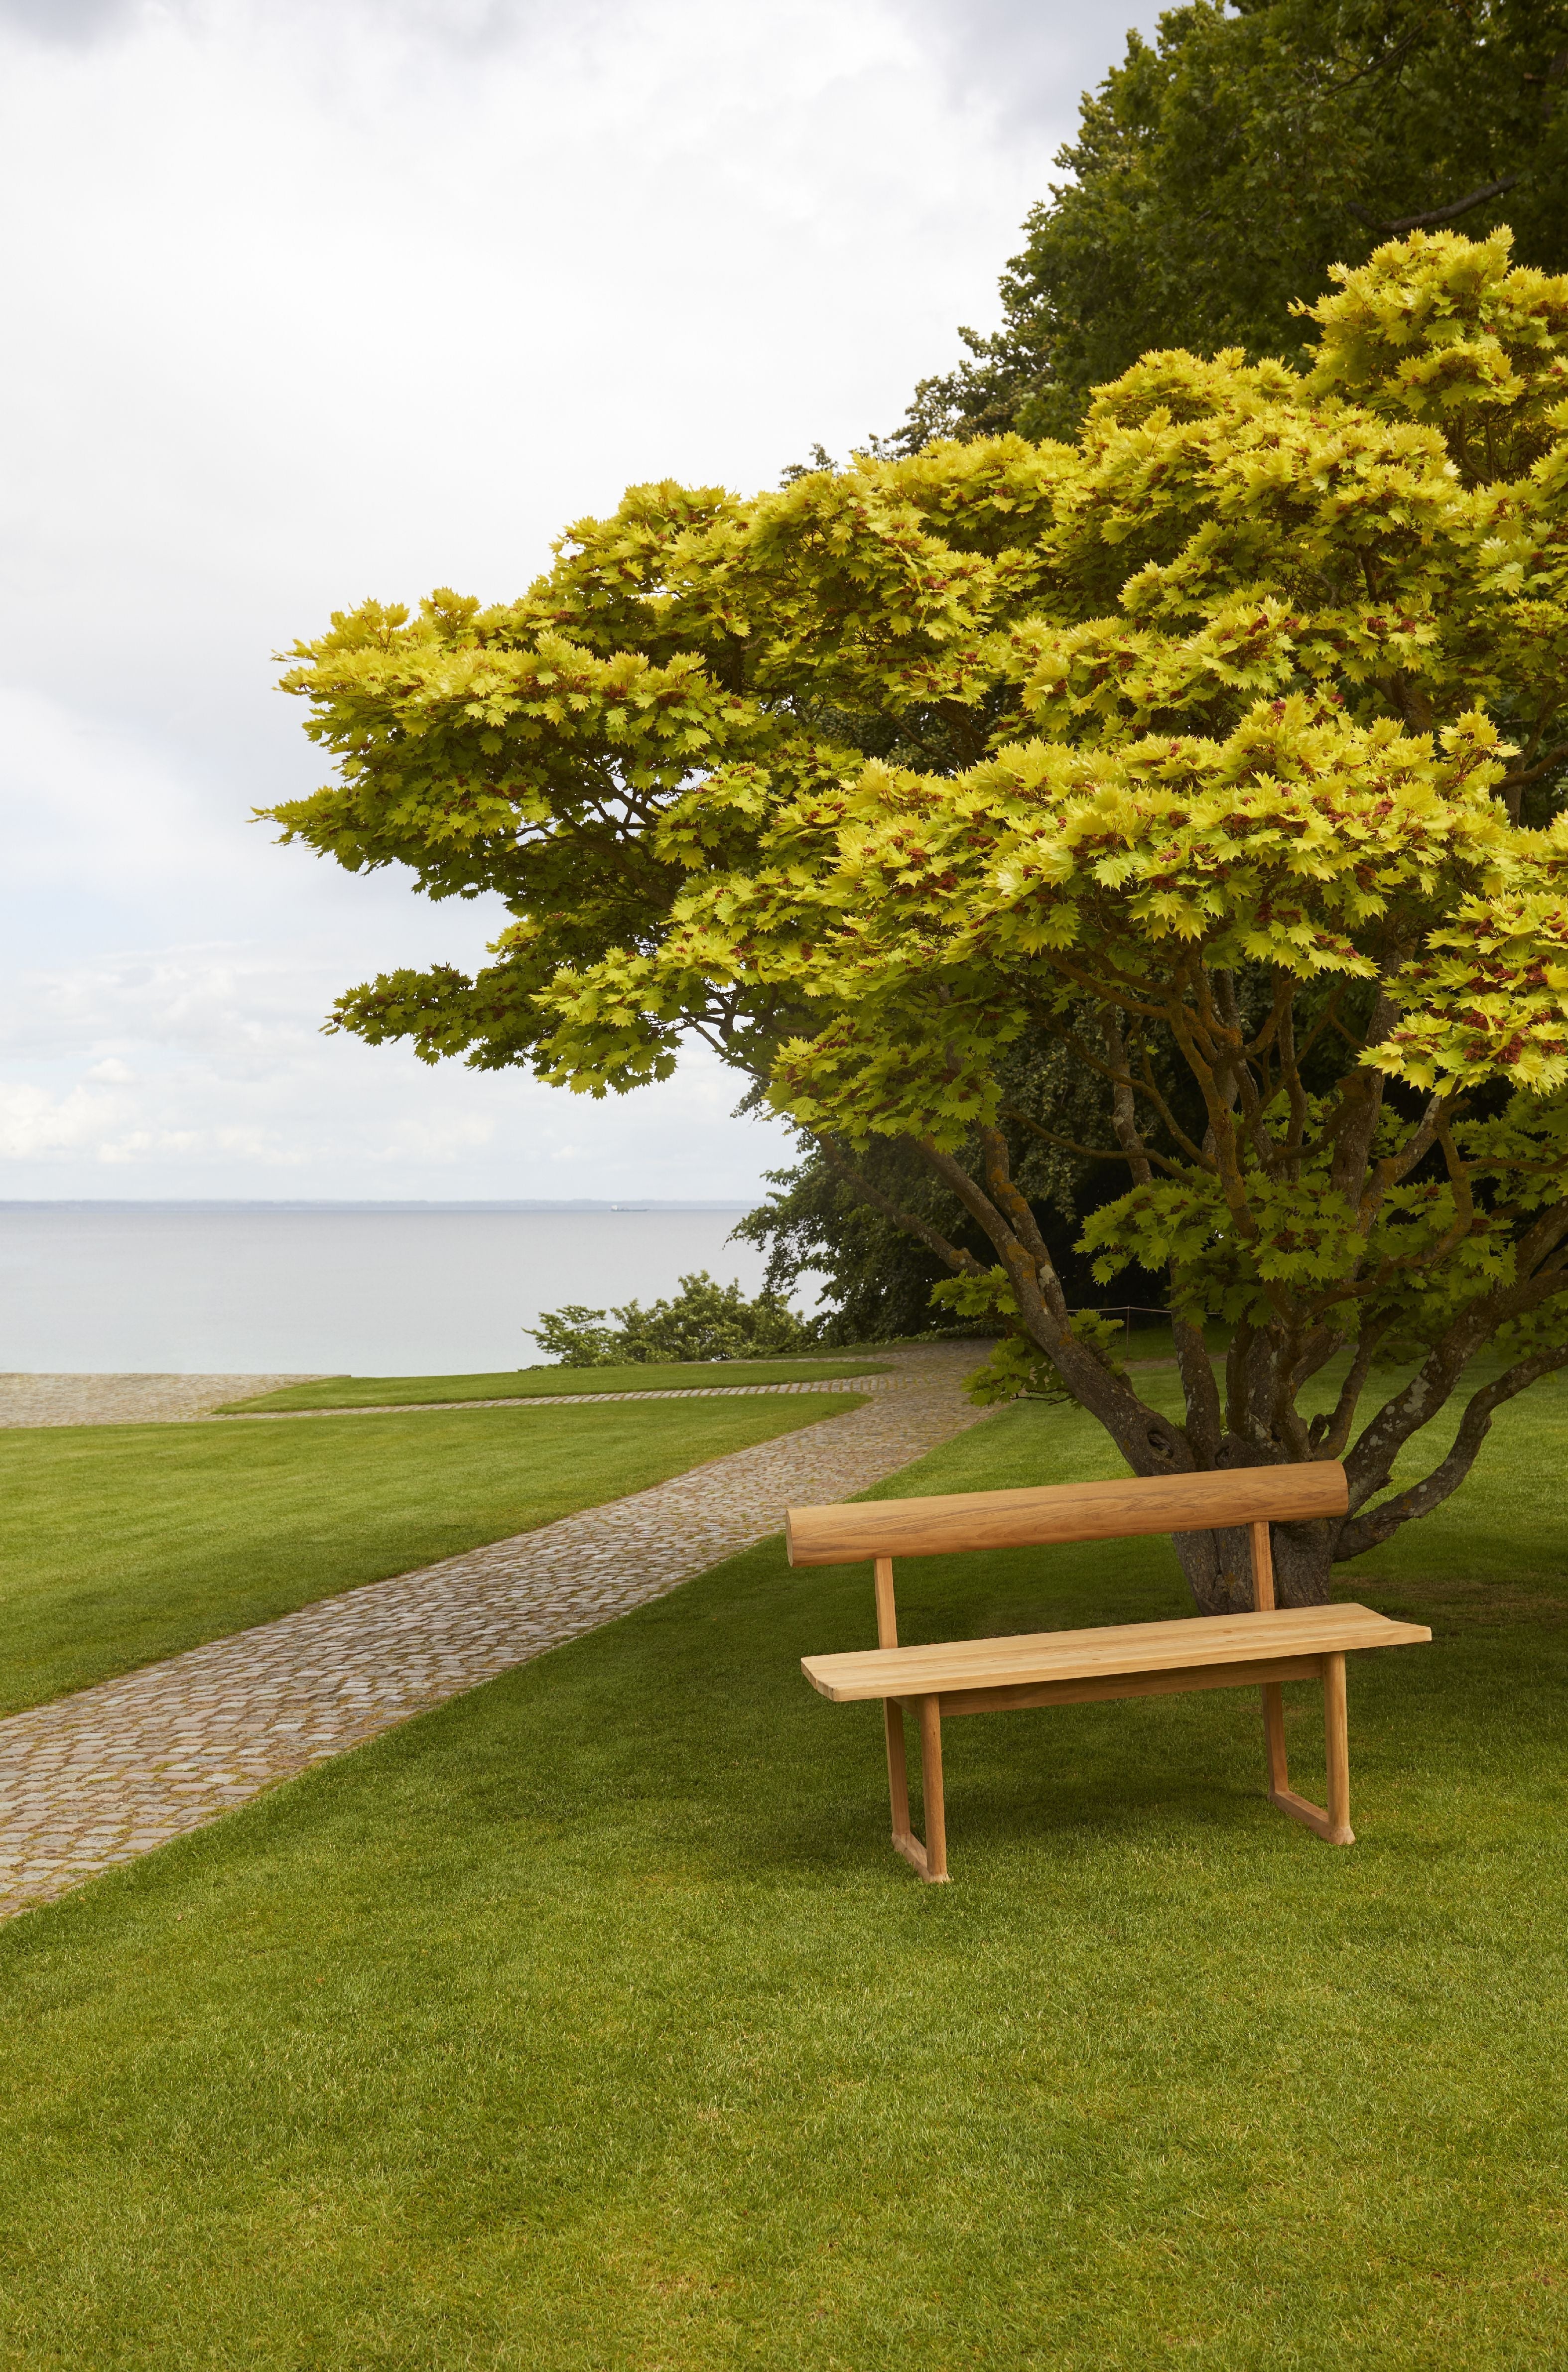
point(122, 1543)
point(413, 1391)
point(590, 2022)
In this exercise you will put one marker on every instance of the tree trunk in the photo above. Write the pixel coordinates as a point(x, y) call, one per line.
point(1218, 1566)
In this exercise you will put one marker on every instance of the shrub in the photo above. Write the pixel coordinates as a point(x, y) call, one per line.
point(705, 1321)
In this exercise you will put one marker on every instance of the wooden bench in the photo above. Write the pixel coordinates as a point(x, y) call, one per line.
point(1130, 1659)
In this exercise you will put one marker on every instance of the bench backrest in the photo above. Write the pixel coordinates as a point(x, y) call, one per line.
point(1064, 1511)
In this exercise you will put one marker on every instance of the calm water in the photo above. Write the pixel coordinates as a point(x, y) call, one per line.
point(365, 1289)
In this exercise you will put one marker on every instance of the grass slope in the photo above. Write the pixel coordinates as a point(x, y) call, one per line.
point(411, 1391)
point(122, 1543)
point(589, 2023)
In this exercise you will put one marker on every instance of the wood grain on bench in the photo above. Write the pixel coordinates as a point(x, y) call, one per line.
point(1302, 1634)
point(1064, 1511)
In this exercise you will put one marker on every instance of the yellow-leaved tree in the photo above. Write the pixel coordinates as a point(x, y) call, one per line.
point(1220, 748)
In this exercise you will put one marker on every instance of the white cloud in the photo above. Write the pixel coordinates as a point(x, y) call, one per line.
point(36, 1126)
point(204, 1071)
point(311, 298)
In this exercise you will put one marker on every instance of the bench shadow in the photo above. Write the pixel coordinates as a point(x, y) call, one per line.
point(1113, 1773)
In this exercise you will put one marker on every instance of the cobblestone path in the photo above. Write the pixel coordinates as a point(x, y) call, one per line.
point(577, 1400)
point(108, 1774)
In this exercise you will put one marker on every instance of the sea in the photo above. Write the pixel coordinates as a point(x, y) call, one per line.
point(331, 1289)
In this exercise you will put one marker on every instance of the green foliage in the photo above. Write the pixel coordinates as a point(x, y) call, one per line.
point(1180, 805)
point(1219, 174)
point(571, 1335)
point(874, 1277)
point(705, 1321)
point(873, 1274)
point(1018, 1367)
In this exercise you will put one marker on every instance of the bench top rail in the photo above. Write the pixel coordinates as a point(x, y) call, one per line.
point(1104, 1654)
point(1064, 1511)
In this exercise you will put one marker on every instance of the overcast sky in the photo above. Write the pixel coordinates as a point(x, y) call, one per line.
point(313, 299)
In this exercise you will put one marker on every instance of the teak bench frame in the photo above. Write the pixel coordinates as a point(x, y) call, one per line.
point(1261, 1649)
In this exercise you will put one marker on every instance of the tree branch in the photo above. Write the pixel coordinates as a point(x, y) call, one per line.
point(1371, 1461)
point(1329, 1432)
point(1439, 214)
point(1145, 1086)
point(1369, 1532)
point(1327, 1018)
point(1353, 1126)
point(1107, 979)
point(1205, 1420)
point(1068, 1145)
point(1516, 782)
point(1123, 1110)
point(963, 1264)
point(1374, 65)
point(1148, 1441)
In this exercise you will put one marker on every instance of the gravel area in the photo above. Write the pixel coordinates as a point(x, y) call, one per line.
point(119, 1769)
point(128, 1399)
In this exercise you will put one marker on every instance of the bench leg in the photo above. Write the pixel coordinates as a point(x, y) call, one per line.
point(1275, 1734)
point(930, 1858)
point(898, 1775)
point(1333, 1825)
point(931, 1788)
point(1336, 1740)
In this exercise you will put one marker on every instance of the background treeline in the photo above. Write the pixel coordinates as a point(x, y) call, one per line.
point(1218, 174)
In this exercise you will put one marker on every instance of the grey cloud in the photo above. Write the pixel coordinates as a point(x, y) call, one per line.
point(1030, 59)
point(478, 27)
point(72, 23)
point(465, 26)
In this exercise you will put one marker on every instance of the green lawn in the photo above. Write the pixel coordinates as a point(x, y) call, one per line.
point(589, 2024)
point(122, 1543)
point(411, 1391)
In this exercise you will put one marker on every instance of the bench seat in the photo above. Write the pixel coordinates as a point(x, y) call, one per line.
point(1118, 1651)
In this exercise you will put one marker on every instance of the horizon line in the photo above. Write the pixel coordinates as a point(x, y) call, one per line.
point(368, 1202)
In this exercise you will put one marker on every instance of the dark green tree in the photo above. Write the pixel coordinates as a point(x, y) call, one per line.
point(1219, 173)
point(851, 1218)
